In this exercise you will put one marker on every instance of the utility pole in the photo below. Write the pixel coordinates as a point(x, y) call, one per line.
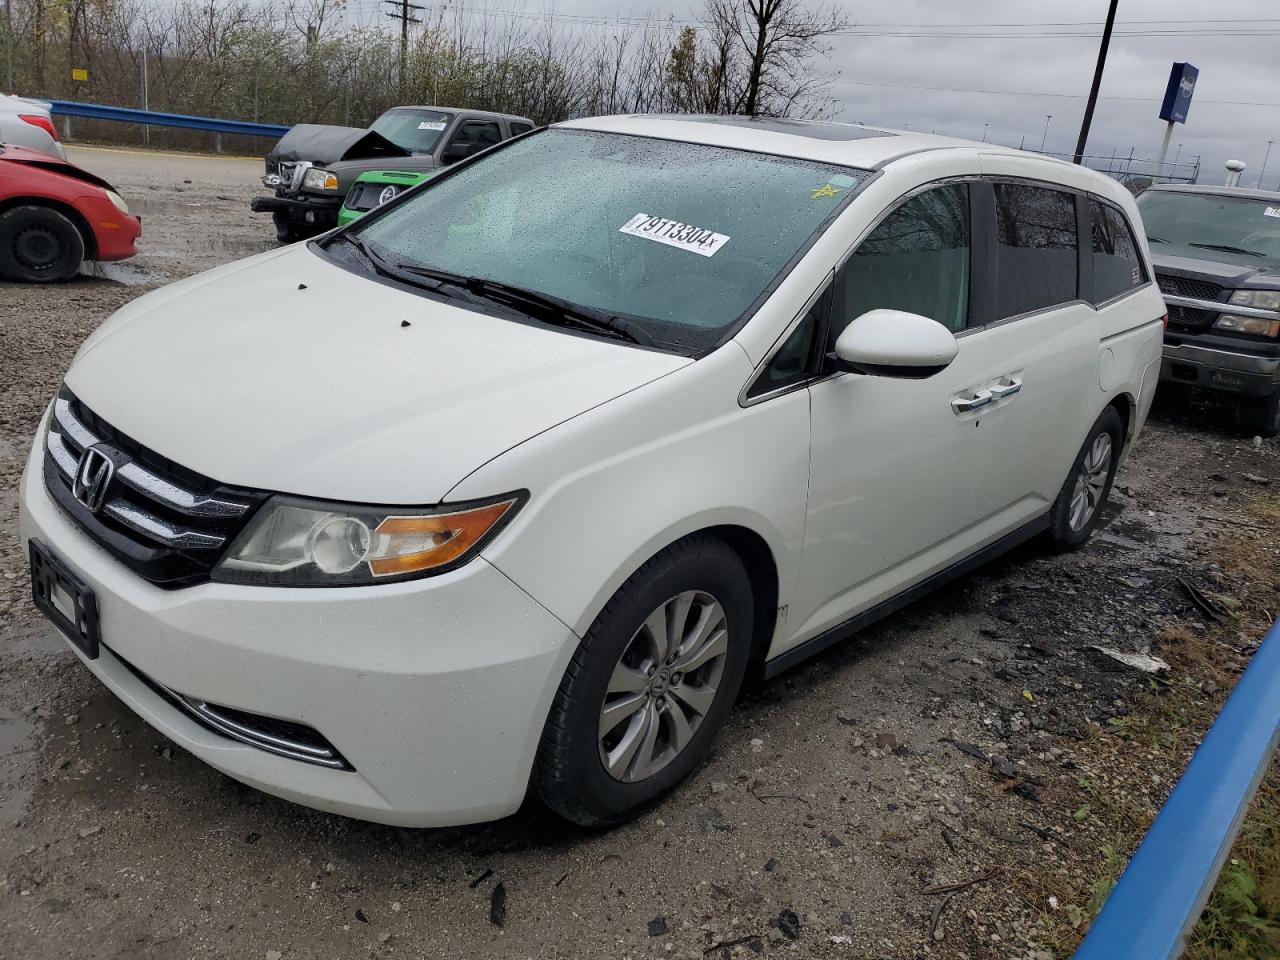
point(1097, 82)
point(984, 132)
point(1045, 138)
point(402, 13)
point(8, 40)
point(1265, 158)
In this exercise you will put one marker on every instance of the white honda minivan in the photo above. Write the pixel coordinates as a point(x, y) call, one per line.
point(512, 484)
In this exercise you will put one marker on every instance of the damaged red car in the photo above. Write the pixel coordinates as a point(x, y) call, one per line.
point(55, 215)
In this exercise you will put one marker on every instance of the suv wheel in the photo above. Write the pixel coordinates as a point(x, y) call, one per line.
point(1079, 504)
point(1261, 415)
point(39, 245)
point(649, 686)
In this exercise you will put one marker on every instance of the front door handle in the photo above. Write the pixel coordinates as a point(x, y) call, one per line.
point(965, 404)
point(1001, 390)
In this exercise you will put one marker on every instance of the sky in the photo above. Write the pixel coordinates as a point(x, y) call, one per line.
point(953, 66)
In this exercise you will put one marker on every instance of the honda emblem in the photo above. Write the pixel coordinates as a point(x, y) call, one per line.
point(93, 477)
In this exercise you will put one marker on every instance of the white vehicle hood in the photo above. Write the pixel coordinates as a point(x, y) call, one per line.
point(247, 378)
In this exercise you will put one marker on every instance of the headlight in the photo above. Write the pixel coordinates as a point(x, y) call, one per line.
point(317, 179)
point(1254, 325)
point(1262, 299)
point(308, 543)
point(118, 202)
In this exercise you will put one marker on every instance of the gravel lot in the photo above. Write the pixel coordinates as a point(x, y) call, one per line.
point(917, 792)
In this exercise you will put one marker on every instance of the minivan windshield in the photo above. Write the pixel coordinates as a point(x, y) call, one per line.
point(679, 239)
point(1209, 226)
point(418, 131)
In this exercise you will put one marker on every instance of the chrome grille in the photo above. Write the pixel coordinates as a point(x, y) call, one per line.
point(1184, 287)
point(165, 522)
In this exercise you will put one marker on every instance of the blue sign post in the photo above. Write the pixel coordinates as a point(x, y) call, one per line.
point(1177, 101)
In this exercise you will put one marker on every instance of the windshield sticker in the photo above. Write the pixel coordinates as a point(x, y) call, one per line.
point(683, 236)
point(431, 125)
point(827, 191)
point(1271, 212)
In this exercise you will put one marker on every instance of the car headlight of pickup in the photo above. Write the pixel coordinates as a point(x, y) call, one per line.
point(1255, 326)
point(298, 542)
point(317, 178)
point(1262, 299)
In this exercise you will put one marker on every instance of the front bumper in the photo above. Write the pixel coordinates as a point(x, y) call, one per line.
point(435, 691)
point(319, 212)
point(1241, 373)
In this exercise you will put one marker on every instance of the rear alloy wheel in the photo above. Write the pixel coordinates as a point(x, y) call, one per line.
point(39, 245)
point(1078, 507)
point(649, 685)
point(1260, 416)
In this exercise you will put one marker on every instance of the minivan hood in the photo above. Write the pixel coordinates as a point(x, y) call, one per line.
point(288, 373)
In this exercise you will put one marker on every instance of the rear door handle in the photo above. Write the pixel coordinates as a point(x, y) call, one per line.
point(965, 404)
point(1001, 390)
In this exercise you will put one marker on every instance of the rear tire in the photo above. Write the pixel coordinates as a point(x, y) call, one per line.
point(1260, 416)
point(39, 245)
point(628, 723)
point(1079, 504)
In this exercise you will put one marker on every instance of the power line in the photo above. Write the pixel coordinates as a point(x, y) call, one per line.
point(1033, 93)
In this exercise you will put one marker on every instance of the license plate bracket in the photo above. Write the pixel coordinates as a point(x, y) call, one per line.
point(63, 597)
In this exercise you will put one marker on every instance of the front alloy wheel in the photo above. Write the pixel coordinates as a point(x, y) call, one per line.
point(649, 685)
point(663, 686)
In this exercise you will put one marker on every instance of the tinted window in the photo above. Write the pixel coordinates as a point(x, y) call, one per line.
point(519, 128)
point(916, 260)
point(1035, 248)
point(792, 362)
point(481, 134)
point(1117, 265)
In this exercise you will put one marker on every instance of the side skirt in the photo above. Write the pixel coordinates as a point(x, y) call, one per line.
point(843, 631)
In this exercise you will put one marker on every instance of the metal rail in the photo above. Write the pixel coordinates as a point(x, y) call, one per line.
point(1159, 898)
point(151, 118)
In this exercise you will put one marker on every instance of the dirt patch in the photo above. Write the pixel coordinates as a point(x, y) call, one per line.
point(916, 792)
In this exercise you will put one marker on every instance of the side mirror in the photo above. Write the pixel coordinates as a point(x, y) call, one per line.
point(457, 151)
point(893, 343)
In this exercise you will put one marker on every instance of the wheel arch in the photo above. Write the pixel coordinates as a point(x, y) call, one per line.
point(1126, 406)
point(64, 208)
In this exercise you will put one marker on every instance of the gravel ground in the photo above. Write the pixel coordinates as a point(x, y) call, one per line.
point(921, 791)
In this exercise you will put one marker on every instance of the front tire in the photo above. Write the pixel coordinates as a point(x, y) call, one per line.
point(1260, 416)
point(39, 245)
point(650, 685)
point(1079, 504)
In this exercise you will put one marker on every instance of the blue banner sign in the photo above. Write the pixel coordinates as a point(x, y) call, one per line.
point(1177, 96)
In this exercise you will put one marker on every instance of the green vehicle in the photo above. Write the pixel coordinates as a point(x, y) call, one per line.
point(374, 188)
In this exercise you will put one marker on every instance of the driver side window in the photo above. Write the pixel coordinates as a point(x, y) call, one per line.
point(916, 260)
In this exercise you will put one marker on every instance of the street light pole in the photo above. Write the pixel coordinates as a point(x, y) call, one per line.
point(984, 132)
point(1045, 138)
point(1097, 82)
point(8, 41)
point(1265, 158)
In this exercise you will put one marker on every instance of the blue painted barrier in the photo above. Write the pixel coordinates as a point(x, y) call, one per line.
point(1159, 898)
point(97, 111)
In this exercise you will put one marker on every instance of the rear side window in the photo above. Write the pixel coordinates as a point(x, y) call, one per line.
point(519, 128)
point(1036, 251)
point(1117, 264)
point(916, 260)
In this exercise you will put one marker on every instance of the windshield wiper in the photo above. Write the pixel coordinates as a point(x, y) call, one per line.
point(1227, 248)
point(1158, 239)
point(543, 306)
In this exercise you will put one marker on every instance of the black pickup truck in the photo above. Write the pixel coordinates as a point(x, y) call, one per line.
point(311, 168)
point(1216, 252)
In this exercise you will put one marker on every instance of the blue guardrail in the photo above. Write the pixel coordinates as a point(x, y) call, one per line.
point(97, 111)
point(1159, 898)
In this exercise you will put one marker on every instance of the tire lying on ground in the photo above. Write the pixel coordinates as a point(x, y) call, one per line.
point(39, 245)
